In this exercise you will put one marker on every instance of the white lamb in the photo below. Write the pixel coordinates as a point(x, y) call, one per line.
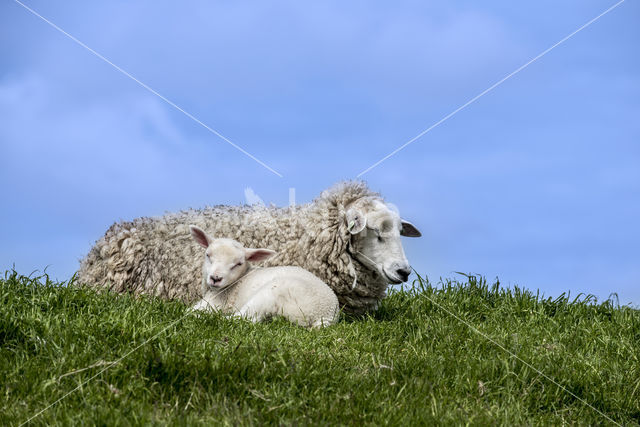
point(231, 285)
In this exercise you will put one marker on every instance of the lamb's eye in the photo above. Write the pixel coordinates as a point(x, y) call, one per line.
point(237, 265)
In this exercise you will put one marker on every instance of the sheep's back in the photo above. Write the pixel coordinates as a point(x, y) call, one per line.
point(157, 256)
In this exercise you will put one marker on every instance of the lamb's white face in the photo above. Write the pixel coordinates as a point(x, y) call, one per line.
point(224, 263)
point(376, 240)
point(225, 260)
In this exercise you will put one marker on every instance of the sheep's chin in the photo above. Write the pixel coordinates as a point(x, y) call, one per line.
point(392, 278)
point(379, 270)
point(218, 286)
point(389, 278)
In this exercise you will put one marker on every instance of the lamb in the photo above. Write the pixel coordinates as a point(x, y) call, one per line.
point(232, 285)
point(348, 237)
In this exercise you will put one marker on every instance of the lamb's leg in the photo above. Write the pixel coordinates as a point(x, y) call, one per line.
point(202, 305)
point(321, 323)
point(260, 307)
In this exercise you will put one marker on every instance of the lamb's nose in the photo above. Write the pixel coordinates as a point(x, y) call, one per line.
point(215, 279)
point(403, 273)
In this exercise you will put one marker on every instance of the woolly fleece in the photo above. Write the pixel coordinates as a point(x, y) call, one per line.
point(157, 256)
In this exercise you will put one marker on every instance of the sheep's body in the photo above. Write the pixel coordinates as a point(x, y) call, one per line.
point(156, 255)
point(291, 292)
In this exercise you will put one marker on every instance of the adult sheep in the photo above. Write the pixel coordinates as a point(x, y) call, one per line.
point(348, 237)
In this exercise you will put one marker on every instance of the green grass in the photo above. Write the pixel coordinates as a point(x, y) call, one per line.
point(411, 362)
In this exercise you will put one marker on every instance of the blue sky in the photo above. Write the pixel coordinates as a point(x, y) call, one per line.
point(538, 182)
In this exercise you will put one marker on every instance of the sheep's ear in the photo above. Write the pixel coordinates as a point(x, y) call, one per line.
point(200, 236)
point(356, 221)
point(255, 255)
point(409, 230)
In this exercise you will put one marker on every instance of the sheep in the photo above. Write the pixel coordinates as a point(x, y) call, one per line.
point(348, 237)
point(230, 284)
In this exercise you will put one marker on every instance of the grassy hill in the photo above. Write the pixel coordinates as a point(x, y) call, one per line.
point(413, 361)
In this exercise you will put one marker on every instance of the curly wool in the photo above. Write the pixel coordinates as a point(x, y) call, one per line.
point(157, 256)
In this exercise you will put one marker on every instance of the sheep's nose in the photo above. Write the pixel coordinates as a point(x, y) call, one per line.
point(403, 273)
point(215, 279)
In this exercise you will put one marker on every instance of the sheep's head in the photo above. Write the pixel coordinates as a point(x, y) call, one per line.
point(225, 260)
point(375, 229)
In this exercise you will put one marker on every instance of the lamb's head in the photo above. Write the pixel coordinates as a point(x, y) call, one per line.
point(375, 229)
point(225, 260)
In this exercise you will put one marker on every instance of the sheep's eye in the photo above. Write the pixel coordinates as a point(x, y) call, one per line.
point(207, 256)
point(237, 265)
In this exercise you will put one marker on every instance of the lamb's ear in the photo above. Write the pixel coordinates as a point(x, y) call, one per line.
point(200, 236)
point(255, 255)
point(409, 230)
point(356, 221)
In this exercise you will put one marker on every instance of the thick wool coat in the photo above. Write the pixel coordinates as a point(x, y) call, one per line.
point(157, 256)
